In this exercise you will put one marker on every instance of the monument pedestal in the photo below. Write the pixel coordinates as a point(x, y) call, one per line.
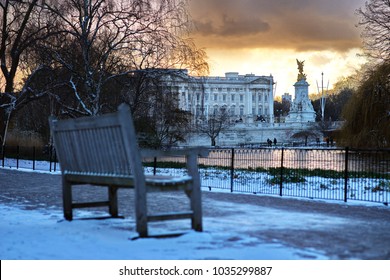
point(301, 109)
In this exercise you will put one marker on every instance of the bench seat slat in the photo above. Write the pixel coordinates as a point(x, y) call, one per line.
point(156, 180)
point(126, 181)
point(96, 179)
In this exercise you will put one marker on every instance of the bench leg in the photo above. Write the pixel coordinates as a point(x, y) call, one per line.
point(141, 211)
point(196, 207)
point(113, 201)
point(195, 193)
point(67, 199)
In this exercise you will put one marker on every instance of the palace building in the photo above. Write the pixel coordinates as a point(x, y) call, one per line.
point(246, 98)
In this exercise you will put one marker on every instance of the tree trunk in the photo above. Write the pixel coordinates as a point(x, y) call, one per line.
point(6, 128)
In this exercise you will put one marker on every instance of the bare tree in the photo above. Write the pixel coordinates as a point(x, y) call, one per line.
point(214, 124)
point(23, 25)
point(154, 99)
point(375, 18)
point(83, 48)
point(107, 39)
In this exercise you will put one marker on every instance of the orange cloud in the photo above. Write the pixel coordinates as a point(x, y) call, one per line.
point(301, 25)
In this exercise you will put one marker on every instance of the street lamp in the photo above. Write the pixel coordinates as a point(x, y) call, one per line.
point(323, 96)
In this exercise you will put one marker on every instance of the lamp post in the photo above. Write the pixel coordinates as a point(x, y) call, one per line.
point(323, 96)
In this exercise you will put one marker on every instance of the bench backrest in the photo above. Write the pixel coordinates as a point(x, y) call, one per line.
point(105, 144)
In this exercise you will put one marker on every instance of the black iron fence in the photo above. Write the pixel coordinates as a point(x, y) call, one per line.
point(35, 158)
point(323, 173)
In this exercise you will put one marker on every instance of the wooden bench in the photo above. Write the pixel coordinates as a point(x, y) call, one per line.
point(103, 151)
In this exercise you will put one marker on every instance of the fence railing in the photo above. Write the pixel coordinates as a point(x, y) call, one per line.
point(29, 157)
point(323, 173)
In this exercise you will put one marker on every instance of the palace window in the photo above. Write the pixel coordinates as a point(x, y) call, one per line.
point(198, 110)
point(232, 110)
point(215, 110)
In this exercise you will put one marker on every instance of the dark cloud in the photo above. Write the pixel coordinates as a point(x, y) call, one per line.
point(232, 27)
point(299, 24)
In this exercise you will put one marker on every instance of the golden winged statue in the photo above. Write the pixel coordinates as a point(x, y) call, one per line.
point(301, 75)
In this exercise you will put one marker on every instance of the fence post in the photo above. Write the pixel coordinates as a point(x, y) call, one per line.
point(17, 157)
point(154, 165)
point(346, 175)
point(34, 158)
point(232, 171)
point(281, 173)
point(3, 156)
point(51, 148)
point(55, 161)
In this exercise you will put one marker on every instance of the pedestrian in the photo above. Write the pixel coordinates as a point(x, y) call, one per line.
point(275, 141)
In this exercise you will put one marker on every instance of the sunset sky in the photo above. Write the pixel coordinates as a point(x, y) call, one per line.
point(266, 37)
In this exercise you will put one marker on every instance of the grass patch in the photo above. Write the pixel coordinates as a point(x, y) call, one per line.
point(289, 176)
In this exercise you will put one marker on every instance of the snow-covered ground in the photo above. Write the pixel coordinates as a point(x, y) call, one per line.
point(42, 234)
